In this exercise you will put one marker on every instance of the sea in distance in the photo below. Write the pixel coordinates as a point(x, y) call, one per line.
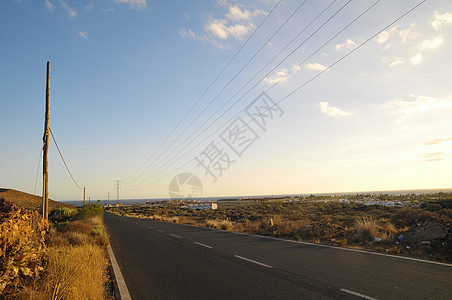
point(206, 199)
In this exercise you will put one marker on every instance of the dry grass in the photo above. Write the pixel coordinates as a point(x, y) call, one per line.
point(28, 201)
point(422, 232)
point(220, 224)
point(367, 229)
point(76, 272)
point(75, 264)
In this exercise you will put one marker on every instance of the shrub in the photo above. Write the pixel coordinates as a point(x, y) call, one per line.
point(433, 207)
point(97, 230)
point(394, 250)
point(410, 216)
point(367, 228)
point(62, 214)
point(92, 210)
point(226, 225)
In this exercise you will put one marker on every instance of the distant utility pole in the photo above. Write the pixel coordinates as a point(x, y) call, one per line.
point(45, 139)
point(84, 193)
point(118, 187)
point(108, 197)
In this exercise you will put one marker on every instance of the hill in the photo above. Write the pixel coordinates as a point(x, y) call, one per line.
point(29, 201)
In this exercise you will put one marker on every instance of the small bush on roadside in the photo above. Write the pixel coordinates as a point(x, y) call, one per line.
point(367, 229)
point(92, 210)
point(62, 214)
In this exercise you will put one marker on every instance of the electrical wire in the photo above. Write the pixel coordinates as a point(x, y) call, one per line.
point(221, 91)
point(303, 85)
point(37, 172)
point(202, 95)
point(287, 56)
point(62, 158)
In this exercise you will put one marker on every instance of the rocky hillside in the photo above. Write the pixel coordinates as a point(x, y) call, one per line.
point(28, 201)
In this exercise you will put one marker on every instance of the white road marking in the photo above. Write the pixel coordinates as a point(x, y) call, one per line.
point(151, 227)
point(175, 236)
point(159, 230)
point(253, 261)
point(358, 294)
point(204, 245)
point(322, 246)
point(328, 246)
point(123, 290)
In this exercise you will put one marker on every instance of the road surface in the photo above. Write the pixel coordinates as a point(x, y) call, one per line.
point(161, 260)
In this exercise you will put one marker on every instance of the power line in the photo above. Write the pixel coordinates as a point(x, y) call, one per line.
point(249, 90)
point(305, 83)
point(230, 81)
point(62, 158)
point(208, 88)
point(221, 91)
point(37, 172)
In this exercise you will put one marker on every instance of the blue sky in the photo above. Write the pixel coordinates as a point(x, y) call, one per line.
point(126, 72)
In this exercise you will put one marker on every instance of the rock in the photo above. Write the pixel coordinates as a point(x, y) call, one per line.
point(377, 239)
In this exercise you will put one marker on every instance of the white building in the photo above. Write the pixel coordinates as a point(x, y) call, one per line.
point(203, 205)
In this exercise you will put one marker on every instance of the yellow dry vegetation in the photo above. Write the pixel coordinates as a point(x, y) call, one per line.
point(66, 262)
point(22, 236)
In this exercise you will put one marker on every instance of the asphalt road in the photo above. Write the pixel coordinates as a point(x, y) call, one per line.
point(161, 260)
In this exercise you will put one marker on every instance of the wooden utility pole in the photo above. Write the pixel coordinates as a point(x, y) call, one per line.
point(84, 192)
point(45, 177)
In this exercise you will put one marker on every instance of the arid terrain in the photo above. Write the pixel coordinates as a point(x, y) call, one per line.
point(422, 231)
point(29, 201)
point(62, 258)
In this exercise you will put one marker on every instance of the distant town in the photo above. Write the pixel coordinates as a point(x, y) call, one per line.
point(408, 200)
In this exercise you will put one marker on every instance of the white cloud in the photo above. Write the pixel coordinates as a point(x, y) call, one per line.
point(347, 45)
point(184, 33)
point(236, 14)
point(281, 75)
point(332, 111)
point(188, 34)
point(408, 34)
point(407, 40)
point(408, 107)
point(385, 35)
point(435, 156)
point(396, 62)
point(83, 35)
point(133, 3)
point(417, 59)
point(315, 66)
point(237, 23)
point(72, 12)
point(404, 35)
point(219, 28)
point(440, 20)
point(438, 141)
point(49, 5)
point(432, 44)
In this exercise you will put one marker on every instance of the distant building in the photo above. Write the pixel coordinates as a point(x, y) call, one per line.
point(226, 203)
point(203, 205)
